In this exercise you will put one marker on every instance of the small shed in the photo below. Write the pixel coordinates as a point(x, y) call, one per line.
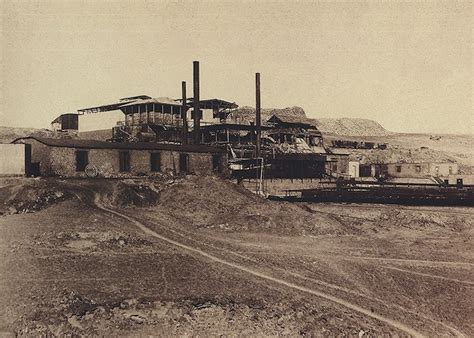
point(68, 121)
point(82, 158)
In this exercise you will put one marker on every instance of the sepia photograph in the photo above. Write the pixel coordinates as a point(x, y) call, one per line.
point(243, 168)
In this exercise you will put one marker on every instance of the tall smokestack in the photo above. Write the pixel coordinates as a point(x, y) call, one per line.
point(197, 111)
point(184, 109)
point(258, 119)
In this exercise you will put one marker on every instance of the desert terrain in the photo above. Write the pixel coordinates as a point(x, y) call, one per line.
point(200, 255)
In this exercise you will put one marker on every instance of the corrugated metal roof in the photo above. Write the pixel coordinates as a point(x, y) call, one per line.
point(94, 144)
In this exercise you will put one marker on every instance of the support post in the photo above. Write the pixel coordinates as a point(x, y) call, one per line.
point(258, 118)
point(197, 112)
point(184, 109)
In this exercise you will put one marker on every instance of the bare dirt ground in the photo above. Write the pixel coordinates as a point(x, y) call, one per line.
point(199, 255)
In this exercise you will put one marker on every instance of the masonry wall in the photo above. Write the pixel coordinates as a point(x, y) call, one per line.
point(63, 162)
point(12, 161)
point(40, 154)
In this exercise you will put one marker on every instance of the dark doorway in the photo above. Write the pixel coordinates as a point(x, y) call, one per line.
point(82, 160)
point(216, 163)
point(155, 162)
point(183, 163)
point(27, 159)
point(34, 169)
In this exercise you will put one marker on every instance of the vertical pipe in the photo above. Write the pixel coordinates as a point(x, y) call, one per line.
point(258, 118)
point(197, 115)
point(184, 109)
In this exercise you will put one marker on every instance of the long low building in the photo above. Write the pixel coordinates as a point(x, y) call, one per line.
point(82, 158)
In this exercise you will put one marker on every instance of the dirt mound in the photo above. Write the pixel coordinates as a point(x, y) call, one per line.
point(132, 193)
point(213, 203)
point(29, 195)
point(210, 203)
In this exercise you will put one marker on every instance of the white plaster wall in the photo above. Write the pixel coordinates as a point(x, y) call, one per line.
point(353, 169)
point(12, 159)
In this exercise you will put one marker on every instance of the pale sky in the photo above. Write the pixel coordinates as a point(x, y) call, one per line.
point(407, 65)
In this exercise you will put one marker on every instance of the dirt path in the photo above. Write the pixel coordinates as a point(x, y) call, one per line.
point(285, 271)
point(242, 276)
point(358, 308)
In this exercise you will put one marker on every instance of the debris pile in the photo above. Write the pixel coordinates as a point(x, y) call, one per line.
point(213, 203)
point(140, 192)
point(29, 197)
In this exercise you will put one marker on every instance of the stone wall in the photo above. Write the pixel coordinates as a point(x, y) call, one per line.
point(40, 153)
point(63, 162)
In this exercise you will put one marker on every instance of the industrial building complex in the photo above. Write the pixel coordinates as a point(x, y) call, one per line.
point(209, 136)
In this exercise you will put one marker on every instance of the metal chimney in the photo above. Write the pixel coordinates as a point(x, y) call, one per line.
point(258, 119)
point(184, 110)
point(196, 111)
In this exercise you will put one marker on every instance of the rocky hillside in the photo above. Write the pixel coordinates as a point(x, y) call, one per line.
point(342, 126)
point(8, 134)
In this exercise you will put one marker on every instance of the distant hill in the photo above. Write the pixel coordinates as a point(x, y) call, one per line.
point(341, 126)
point(8, 134)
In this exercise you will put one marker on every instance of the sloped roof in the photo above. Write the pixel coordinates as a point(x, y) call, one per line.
point(292, 119)
point(59, 118)
point(214, 103)
point(339, 151)
point(95, 144)
point(130, 101)
point(142, 97)
point(159, 100)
